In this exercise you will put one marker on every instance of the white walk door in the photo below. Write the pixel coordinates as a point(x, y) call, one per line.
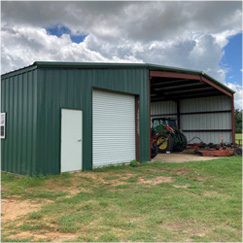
point(113, 128)
point(71, 140)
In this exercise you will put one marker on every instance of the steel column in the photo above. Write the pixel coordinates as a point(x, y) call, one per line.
point(178, 114)
point(149, 89)
point(233, 118)
point(137, 136)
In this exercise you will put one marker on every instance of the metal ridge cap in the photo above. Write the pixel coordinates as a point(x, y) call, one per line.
point(88, 64)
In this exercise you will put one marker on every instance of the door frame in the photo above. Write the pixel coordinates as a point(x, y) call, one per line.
point(60, 135)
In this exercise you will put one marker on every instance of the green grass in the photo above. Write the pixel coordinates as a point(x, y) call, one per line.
point(238, 136)
point(202, 203)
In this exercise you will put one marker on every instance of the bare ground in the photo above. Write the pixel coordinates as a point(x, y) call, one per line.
point(157, 180)
point(12, 208)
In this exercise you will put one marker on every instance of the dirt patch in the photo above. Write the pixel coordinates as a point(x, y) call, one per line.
point(50, 236)
point(181, 186)
point(198, 232)
point(75, 184)
point(154, 170)
point(60, 237)
point(178, 157)
point(4, 188)
point(101, 177)
point(187, 227)
point(73, 187)
point(181, 171)
point(13, 208)
point(157, 180)
point(211, 194)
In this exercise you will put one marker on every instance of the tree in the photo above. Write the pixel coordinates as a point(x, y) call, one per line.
point(238, 121)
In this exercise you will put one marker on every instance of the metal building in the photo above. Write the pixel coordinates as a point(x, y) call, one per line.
point(58, 117)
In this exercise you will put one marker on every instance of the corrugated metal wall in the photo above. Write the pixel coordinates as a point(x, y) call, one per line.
point(163, 107)
point(33, 100)
point(72, 88)
point(212, 121)
point(214, 103)
point(209, 137)
point(19, 101)
point(206, 121)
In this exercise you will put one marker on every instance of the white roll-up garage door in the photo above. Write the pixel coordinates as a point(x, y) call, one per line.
point(113, 128)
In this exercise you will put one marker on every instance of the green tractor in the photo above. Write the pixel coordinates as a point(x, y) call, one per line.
point(169, 137)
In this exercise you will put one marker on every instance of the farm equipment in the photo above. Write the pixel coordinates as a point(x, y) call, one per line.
point(168, 137)
point(221, 149)
point(157, 143)
point(154, 146)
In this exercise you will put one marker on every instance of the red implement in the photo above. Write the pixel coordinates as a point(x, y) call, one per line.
point(213, 152)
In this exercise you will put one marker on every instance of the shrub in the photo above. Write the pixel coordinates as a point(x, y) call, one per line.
point(134, 163)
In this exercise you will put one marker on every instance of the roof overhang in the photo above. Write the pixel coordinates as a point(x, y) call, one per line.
point(178, 85)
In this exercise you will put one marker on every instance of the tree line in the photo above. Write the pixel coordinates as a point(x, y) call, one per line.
point(238, 121)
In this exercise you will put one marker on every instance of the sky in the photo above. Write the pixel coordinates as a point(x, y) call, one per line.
point(204, 36)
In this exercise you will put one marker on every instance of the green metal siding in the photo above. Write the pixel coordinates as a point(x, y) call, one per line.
point(19, 101)
point(32, 98)
point(72, 88)
point(151, 67)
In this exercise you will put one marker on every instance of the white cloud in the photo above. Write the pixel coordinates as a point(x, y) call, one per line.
point(238, 94)
point(181, 34)
point(23, 46)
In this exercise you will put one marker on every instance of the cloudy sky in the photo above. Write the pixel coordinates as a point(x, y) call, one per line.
point(204, 36)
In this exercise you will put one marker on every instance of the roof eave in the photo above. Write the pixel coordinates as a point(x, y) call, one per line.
point(153, 67)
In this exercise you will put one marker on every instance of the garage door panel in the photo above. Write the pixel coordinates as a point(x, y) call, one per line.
point(113, 128)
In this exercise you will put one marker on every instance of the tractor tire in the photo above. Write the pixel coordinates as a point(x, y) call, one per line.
point(167, 145)
point(154, 150)
point(183, 144)
point(217, 146)
point(238, 151)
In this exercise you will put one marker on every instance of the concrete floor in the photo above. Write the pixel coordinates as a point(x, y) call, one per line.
point(178, 157)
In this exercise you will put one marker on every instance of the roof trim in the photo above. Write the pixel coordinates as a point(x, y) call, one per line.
point(19, 71)
point(90, 65)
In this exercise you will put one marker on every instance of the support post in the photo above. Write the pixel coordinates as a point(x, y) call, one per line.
point(178, 114)
point(233, 119)
point(137, 134)
point(149, 96)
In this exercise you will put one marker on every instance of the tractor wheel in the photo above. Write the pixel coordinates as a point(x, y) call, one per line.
point(238, 151)
point(183, 144)
point(217, 146)
point(154, 150)
point(167, 143)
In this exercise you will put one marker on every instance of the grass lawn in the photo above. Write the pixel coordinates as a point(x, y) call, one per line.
point(191, 201)
point(238, 136)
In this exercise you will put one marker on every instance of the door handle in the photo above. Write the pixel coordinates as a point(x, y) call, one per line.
point(79, 140)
